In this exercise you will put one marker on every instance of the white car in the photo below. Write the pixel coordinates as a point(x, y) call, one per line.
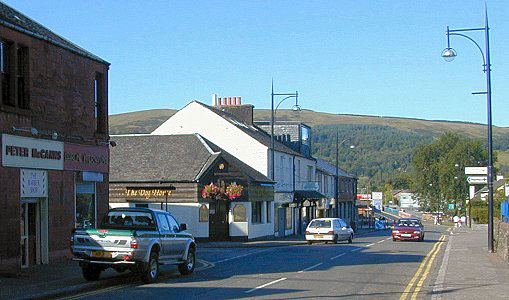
point(328, 230)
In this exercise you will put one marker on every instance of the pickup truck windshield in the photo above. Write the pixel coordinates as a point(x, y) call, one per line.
point(129, 220)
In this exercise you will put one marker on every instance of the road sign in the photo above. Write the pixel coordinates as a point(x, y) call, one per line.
point(477, 179)
point(476, 170)
point(451, 206)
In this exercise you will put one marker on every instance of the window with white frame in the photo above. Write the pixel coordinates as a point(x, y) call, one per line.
point(268, 205)
point(85, 205)
point(256, 212)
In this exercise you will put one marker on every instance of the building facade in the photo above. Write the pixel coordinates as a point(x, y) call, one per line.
point(219, 197)
point(54, 140)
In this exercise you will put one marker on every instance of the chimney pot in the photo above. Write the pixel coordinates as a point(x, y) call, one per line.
point(218, 102)
point(229, 100)
point(240, 101)
point(214, 99)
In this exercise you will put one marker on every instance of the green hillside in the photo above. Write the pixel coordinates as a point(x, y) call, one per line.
point(383, 145)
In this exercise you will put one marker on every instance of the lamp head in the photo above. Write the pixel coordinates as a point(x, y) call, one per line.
point(449, 54)
point(296, 107)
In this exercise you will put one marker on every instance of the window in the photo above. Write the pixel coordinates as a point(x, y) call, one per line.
point(128, 220)
point(85, 205)
point(163, 222)
point(174, 225)
point(256, 212)
point(289, 219)
point(310, 173)
point(99, 103)
point(203, 213)
point(22, 82)
point(5, 70)
point(269, 211)
point(239, 213)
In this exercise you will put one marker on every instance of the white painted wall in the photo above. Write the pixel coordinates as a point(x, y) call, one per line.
point(188, 213)
point(194, 118)
point(301, 173)
point(239, 228)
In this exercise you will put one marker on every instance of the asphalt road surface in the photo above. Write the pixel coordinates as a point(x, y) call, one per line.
point(373, 266)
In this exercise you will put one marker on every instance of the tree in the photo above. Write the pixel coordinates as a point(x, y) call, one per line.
point(438, 168)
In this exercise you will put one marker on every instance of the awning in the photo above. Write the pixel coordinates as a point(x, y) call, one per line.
point(303, 195)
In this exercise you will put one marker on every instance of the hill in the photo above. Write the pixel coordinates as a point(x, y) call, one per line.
point(383, 145)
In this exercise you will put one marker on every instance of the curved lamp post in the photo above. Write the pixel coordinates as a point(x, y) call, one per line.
point(449, 54)
point(273, 111)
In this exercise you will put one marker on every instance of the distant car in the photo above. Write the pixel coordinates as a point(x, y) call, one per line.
point(328, 230)
point(408, 229)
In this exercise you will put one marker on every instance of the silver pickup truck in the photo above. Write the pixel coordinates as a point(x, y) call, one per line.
point(135, 239)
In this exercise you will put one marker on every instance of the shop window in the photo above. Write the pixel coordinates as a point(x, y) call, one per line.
point(256, 212)
point(269, 211)
point(239, 213)
point(204, 213)
point(85, 205)
point(289, 219)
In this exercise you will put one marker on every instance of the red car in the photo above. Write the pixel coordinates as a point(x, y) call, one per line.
point(408, 229)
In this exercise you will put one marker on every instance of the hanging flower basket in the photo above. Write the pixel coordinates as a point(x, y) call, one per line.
point(234, 190)
point(210, 191)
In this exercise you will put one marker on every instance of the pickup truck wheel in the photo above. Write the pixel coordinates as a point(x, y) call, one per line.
point(187, 267)
point(91, 273)
point(151, 272)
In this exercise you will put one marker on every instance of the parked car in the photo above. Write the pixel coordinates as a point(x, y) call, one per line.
point(328, 230)
point(135, 239)
point(408, 229)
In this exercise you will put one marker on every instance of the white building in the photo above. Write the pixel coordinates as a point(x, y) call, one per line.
point(230, 126)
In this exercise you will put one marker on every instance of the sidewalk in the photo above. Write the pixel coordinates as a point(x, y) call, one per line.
point(468, 270)
point(64, 278)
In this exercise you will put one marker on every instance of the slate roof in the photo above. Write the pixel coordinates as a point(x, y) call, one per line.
point(15, 20)
point(329, 168)
point(252, 130)
point(174, 158)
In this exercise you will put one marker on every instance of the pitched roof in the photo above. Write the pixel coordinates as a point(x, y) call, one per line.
point(175, 158)
point(15, 20)
point(252, 130)
point(329, 168)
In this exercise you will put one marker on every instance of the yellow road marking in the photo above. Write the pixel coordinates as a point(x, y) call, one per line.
point(419, 270)
point(425, 274)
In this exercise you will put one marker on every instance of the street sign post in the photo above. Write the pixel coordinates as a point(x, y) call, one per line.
point(477, 180)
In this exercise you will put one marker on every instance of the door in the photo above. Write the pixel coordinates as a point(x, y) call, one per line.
point(218, 221)
point(30, 229)
point(166, 236)
point(282, 221)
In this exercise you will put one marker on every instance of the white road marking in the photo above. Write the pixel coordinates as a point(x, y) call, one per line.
point(370, 245)
point(388, 238)
point(239, 256)
point(264, 285)
point(312, 267)
point(332, 258)
point(379, 242)
point(356, 249)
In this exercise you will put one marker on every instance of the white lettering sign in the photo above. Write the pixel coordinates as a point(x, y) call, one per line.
point(34, 183)
point(476, 171)
point(477, 180)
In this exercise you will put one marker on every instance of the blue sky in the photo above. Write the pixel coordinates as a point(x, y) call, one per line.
point(364, 57)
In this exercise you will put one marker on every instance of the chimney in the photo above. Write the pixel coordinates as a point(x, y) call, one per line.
point(240, 100)
point(214, 100)
point(218, 102)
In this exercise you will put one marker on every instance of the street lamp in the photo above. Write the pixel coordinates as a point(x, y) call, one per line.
point(449, 54)
point(273, 111)
point(337, 171)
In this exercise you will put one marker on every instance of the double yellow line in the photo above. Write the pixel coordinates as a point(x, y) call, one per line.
point(425, 266)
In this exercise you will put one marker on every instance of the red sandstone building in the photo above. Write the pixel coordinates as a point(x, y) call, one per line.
point(54, 139)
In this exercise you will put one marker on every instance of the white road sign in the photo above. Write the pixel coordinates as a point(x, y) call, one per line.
point(476, 170)
point(477, 179)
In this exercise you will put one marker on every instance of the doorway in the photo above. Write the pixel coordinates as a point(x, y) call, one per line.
point(282, 221)
point(34, 232)
point(218, 221)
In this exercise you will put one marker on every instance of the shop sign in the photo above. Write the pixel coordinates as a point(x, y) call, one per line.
point(24, 152)
point(34, 183)
point(283, 197)
point(148, 192)
point(86, 158)
point(260, 193)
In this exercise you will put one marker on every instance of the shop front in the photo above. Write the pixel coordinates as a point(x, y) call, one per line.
point(44, 192)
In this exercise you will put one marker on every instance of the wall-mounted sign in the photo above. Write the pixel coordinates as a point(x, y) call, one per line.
point(24, 152)
point(34, 183)
point(377, 195)
point(148, 192)
point(86, 158)
point(260, 193)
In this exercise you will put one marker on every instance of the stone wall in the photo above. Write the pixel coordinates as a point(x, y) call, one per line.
point(502, 240)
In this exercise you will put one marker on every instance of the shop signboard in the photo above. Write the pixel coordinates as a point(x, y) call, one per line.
point(34, 183)
point(86, 158)
point(25, 152)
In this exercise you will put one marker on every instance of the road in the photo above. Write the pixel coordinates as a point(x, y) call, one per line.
point(372, 266)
